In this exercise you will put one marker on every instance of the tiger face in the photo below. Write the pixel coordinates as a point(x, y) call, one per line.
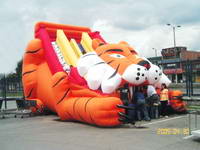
point(119, 56)
point(110, 64)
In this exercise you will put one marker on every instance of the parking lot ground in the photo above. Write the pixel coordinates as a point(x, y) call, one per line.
point(49, 133)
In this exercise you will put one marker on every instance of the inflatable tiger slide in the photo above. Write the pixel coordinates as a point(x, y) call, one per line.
point(74, 72)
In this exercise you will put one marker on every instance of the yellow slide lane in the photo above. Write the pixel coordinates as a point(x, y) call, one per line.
point(75, 47)
point(86, 42)
point(66, 49)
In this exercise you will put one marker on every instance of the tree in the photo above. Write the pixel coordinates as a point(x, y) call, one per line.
point(19, 69)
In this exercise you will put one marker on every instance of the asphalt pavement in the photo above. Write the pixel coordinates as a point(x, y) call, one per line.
point(49, 133)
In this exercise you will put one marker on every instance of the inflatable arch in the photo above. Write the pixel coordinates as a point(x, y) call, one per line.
point(72, 71)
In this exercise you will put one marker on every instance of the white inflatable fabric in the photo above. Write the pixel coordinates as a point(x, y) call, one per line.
point(163, 80)
point(99, 74)
point(154, 74)
point(135, 74)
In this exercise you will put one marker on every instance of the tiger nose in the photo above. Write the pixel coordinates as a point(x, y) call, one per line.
point(144, 63)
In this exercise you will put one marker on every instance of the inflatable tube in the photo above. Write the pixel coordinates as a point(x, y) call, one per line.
point(66, 49)
point(61, 59)
point(86, 49)
point(75, 47)
point(96, 35)
point(55, 26)
point(70, 34)
point(74, 32)
point(50, 55)
point(86, 42)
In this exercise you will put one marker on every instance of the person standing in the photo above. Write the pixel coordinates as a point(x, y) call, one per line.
point(124, 94)
point(164, 99)
point(153, 102)
point(141, 104)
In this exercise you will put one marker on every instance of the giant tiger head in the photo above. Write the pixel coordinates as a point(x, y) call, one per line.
point(113, 64)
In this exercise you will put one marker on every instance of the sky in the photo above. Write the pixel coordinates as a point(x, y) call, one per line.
point(141, 23)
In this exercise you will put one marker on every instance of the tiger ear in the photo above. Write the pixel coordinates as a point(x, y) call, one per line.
point(131, 48)
point(96, 43)
point(124, 43)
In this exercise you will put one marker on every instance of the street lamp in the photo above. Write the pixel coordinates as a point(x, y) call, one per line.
point(174, 28)
point(155, 51)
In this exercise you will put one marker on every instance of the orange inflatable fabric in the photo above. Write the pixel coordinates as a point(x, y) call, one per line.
point(86, 92)
point(176, 101)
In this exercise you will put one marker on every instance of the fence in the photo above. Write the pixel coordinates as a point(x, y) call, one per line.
point(10, 88)
point(194, 126)
point(185, 72)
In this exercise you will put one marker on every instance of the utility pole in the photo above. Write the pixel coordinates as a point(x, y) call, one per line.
point(156, 54)
point(174, 32)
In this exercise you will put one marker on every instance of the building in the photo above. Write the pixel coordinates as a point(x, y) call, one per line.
point(174, 63)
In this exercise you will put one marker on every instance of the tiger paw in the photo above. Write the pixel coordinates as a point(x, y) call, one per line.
point(100, 111)
point(39, 107)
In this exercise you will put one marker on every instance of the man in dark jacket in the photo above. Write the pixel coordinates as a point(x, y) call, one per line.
point(153, 102)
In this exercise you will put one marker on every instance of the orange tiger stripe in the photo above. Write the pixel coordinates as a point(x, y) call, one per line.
point(71, 101)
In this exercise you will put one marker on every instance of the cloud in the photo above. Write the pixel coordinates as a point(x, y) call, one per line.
point(141, 23)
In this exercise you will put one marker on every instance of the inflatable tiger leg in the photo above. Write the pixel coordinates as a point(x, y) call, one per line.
point(91, 108)
point(33, 57)
point(68, 100)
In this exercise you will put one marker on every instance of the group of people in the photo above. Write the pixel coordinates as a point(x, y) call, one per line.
point(149, 102)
